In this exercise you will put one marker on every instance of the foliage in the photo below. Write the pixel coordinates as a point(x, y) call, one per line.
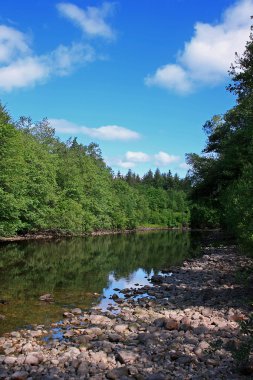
point(46, 184)
point(222, 176)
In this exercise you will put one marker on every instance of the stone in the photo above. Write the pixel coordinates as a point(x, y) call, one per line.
point(126, 357)
point(121, 329)
point(171, 324)
point(76, 311)
point(83, 369)
point(27, 347)
point(20, 375)
point(117, 373)
point(32, 360)
point(3, 374)
point(114, 338)
point(10, 359)
point(46, 297)
point(156, 376)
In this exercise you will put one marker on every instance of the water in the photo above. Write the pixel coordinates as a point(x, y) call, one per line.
point(81, 272)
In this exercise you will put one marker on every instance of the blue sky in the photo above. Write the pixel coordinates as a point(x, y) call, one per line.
point(140, 78)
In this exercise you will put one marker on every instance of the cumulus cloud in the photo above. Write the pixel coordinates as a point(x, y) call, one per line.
point(29, 70)
point(206, 58)
point(132, 159)
point(163, 158)
point(12, 43)
point(137, 157)
point(169, 76)
point(108, 132)
point(125, 164)
point(20, 67)
point(90, 20)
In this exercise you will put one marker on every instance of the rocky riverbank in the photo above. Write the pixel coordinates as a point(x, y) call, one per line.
point(185, 325)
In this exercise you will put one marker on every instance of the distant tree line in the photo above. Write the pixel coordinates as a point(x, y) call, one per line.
point(47, 184)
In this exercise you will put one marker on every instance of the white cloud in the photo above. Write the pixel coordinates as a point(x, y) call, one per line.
point(20, 67)
point(21, 73)
point(163, 159)
point(109, 132)
point(64, 59)
point(206, 58)
point(132, 159)
point(125, 164)
point(171, 77)
point(137, 157)
point(91, 20)
point(12, 43)
point(27, 71)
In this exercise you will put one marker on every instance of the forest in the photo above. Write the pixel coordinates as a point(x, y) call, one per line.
point(66, 187)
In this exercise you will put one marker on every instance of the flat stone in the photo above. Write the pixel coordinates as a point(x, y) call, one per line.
point(117, 373)
point(20, 375)
point(114, 338)
point(83, 369)
point(126, 357)
point(76, 311)
point(121, 329)
point(32, 360)
point(10, 359)
point(171, 324)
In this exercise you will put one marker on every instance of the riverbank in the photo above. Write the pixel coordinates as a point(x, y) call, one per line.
point(58, 235)
point(182, 327)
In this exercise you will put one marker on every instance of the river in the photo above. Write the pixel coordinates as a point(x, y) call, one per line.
point(82, 272)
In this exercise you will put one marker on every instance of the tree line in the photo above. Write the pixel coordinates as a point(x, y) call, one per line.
point(222, 177)
point(66, 187)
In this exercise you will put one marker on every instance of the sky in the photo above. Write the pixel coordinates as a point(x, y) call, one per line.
point(138, 77)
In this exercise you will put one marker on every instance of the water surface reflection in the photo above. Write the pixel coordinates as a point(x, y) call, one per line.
point(76, 270)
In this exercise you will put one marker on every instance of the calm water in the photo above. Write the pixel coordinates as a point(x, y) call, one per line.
point(74, 269)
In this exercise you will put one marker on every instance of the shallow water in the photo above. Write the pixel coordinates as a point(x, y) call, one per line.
point(81, 272)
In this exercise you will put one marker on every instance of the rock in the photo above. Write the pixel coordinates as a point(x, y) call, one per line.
point(20, 375)
point(46, 297)
point(184, 359)
point(2, 317)
point(3, 374)
point(117, 373)
point(66, 314)
point(127, 357)
point(157, 279)
point(171, 324)
point(83, 369)
point(27, 348)
point(32, 359)
point(76, 311)
point(94, 331)
point(159, 322)
point(156, 376)
point(10, 359)
point(114, 338)
point(121, 329)
point(100, 320)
